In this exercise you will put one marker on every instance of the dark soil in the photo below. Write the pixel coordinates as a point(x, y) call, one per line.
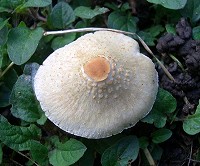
point(186, 88)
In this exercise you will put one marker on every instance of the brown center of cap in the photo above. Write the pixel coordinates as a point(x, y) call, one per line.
point(97, 68)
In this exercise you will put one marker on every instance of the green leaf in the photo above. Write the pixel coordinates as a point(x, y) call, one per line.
point(88, 13)
point(1, 154)
point(196, 33)
point(161, 135)
point(4, 60)
point(164, 105)
point(3, 9)
point(156, 152)
point(170, 28)
point(22, 43)
point(61, 16)
point(37, 3)
point(39, 152)
point(16, 137)
point(59, 42)
point(149, 35)
point(24, 104)
point(87, 159)
point(3, 22)
point(67, 153)
point(122, 21)
point(81, 3)
point(11, 4)
point(191, 125)
point(3, 35)
point(121, 153)
point(170, 4)
point(102, 144)
point(3, 31)
point(192, 10)
point(143, 142)
point(4, 96)
point(10, 78)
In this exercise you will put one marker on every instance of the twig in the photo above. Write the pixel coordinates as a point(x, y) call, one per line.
point(35, 15)
point(149, 157)
point(196, 161)
point(16, 163)
point(7, 68)
point(92, 29)
point(159, 62)
point(133, 6)
point(28, 158)
point(189, 160)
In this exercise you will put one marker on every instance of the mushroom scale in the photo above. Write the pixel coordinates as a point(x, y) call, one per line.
point(97, 86)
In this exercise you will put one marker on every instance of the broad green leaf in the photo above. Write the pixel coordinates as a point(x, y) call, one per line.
point(191, 125)
point(125, 6)
point(149, 35)
point(4, 96)
point(1, 154)
point(17, 137)
point(37, 3)
point(161, 135)
point(61, 16)
point(3, 22)
point(156, 152)
point(170, 28)
point(10, 78)
point(11, 4)
point(22, 43)
point(88, 158)
point(196, 33)
point(3, 35)
point(170, 4)
point(192, 10)
point(24, 103)
point(59, 42)
point(143, 142)
point(39, 153)
point(121, 153)
point(122, 21)
point(88, 13)
point(81, 3)
point(3, 9)
point(164, 105)
point(67, 153)
point(3, 31)
point(5, 89)
point(4, 60)
point(102, 144)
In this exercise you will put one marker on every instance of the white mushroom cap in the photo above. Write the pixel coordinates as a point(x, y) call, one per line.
point(97, 86)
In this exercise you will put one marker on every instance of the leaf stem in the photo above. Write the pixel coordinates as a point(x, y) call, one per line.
point(149, 157)
point(7, 68)
point(91, 29)
point(28, 158)
point(177, 61)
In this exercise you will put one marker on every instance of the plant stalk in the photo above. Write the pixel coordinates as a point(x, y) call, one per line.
point(149, 157)
point(7, 68)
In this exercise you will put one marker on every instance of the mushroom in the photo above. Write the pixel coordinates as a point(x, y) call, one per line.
point(97, 86)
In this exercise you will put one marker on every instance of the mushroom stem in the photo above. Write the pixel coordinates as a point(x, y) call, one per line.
point(91, 29)
point(7, 68)
point(149, 157)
